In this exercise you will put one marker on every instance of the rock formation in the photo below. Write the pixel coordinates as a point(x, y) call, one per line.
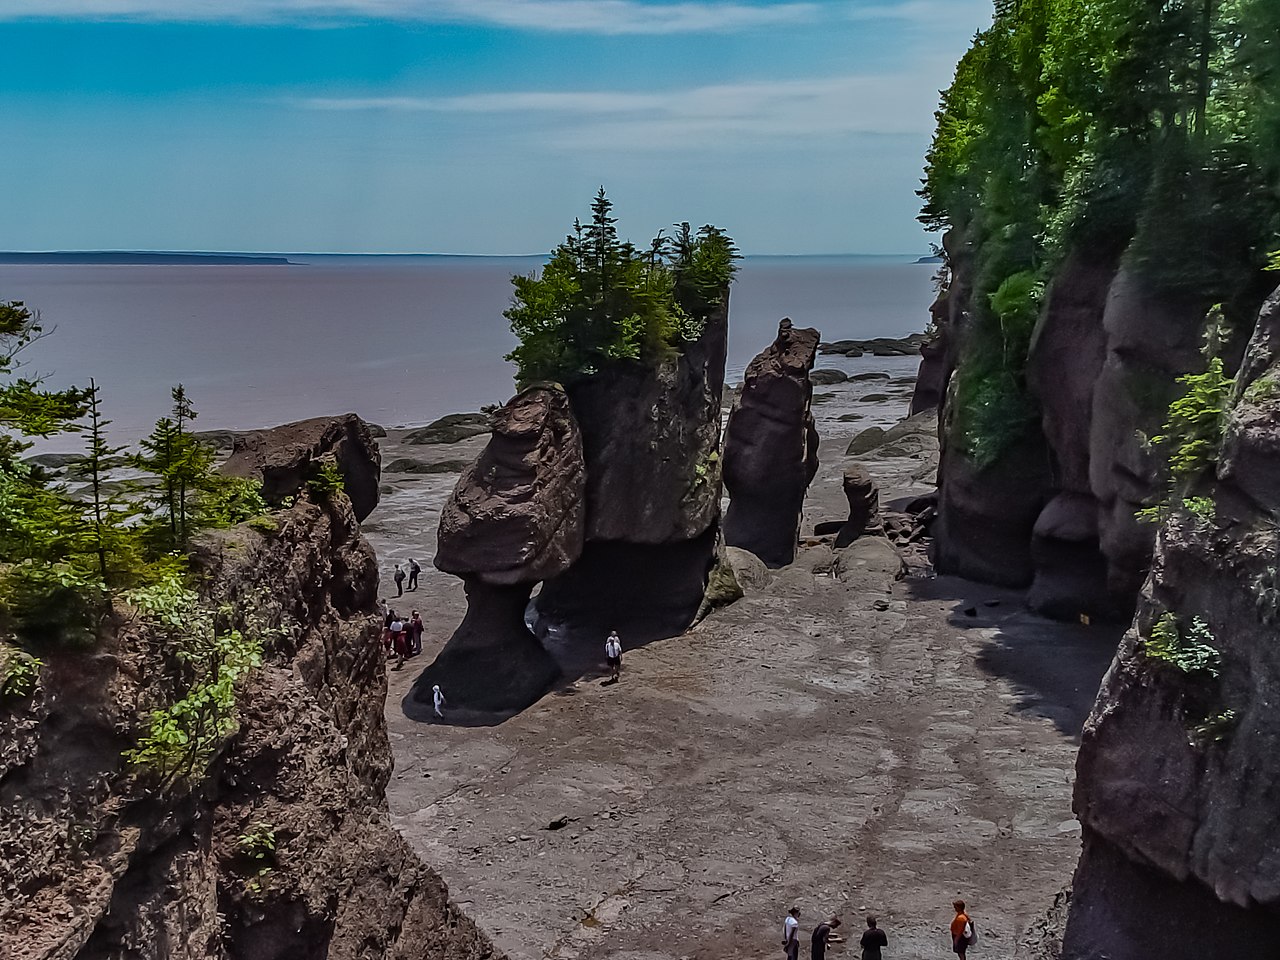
point(98, 865)
point(864, 504)
point(516, 517)
point(650, 440)
point(282, 456)
point(1178, 776)
point(771, 448)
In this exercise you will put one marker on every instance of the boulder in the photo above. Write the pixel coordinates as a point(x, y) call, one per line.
point(450, 429)
point(722, 588)
point(748, 569)
point(865, 442)
point(1178, 774)
point(864, 504)
point(823, 378)
point(517, 513)
point(284, 458)
point(412, 465)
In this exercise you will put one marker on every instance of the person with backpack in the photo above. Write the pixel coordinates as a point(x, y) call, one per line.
point(399, 579)
point(963, 933)
point(791, 933)
point(613, 656)
point(414, 570)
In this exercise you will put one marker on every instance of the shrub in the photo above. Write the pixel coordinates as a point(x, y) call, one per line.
point(326, 482)
point(19, 674)
point(1189, 653)
point(183, 737)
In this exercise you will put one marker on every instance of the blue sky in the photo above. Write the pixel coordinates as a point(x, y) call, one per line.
point(468, 126)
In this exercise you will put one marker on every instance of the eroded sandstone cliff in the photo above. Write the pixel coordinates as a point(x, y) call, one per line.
point(1178, 781)
point(98, 860)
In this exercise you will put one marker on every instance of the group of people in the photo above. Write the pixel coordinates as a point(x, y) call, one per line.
point(962, 931)
point(401, 638)
point(412, 575)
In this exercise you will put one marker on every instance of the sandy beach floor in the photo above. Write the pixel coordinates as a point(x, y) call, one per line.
point(838, 740)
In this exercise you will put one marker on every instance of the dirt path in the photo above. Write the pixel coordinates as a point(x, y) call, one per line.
point(836, 740)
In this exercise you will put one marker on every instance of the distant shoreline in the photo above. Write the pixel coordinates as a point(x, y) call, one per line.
point(129, 257)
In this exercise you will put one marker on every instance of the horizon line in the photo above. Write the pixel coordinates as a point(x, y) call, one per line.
point(385, 253)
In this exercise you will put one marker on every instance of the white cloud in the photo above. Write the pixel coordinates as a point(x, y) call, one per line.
point(719, 115)
point(566, 16)
point(941, 15)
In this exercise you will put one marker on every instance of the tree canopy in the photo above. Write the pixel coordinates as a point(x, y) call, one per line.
point(1142, 130)
point(601, 301)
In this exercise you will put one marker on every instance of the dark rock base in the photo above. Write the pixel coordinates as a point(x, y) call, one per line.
point(644, 592)
point(491, 664)
point(1122, 911)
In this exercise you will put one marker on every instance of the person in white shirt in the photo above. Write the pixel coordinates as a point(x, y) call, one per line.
point(437, 697)
point(613, 655)
point(791, 933)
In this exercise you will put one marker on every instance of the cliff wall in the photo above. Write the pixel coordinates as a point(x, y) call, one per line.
point(1177, 779)
point(99, 861)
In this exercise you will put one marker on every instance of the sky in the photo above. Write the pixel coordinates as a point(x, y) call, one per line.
point(468, 126)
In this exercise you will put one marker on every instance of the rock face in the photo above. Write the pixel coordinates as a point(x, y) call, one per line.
point(1068, 350)
point(650, 440)
point(986, 514)
point(285, 458)
point(516, 517)
point(97, 867)
point(1151, 341)
point(770, 449)
point(517, 514)
point(1178, 774)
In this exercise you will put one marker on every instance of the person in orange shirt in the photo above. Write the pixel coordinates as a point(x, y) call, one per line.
point(961, 930)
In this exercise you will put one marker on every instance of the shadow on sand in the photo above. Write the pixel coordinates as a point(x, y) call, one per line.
point(1056, 668)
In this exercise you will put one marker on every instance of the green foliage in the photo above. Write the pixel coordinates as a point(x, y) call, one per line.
point(1190, 652)
point(1194, 426)
point(19, 674)
point(1144, 127)
point(326, 482)
point(599, 301)
point(257, 850)
point(1213, 730)
point(184, 736)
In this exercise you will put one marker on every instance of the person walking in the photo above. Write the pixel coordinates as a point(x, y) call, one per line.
point(399, 578)
point(791, 934)
point(414, 570)
point(613, 656)
point(437, 699)
point(822, 934)
point(416, 627)
point(962, 933)
point(872, 940)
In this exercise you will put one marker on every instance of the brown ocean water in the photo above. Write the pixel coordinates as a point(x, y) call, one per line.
point(399, 340)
